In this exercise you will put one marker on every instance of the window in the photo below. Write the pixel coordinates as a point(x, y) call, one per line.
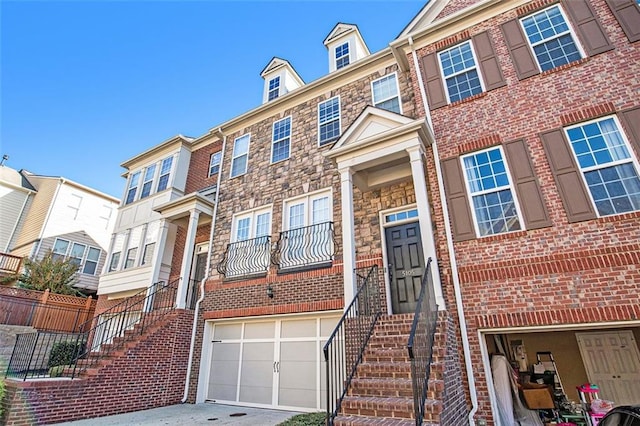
point(403, 215)
point(250, 248)
point(308, 232)
point(91, 263)
point(150, 243)
point(329, 120)
point(214, 164)
point(493, 204)
point(240, 155)
point(342, 56)
point(460, 72)
point(77, 253)
point(274, 88)
point(281, 140)
point(606, 164)
point(147, 181)
point(165, 172)
point(133, 187)
point(60, 248)
point(385, 93)
point(550, 38)
point(132, 247)
point(118, 245)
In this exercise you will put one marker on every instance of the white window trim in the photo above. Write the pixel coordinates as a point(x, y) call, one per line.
point(633, 160)
point(373, 101)
point(320, 142)
point(209, 174)
point(455, 74)
point(571, 31)
point(171, 173)
point(279, 93)
point(335, 53)
point(470, 196)
point(273, 141)
point(253, 214)
point(234, 156)
point(307, 199)
point(83, 258)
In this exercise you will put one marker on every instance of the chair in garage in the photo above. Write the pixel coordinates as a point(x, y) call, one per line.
point(589, 393)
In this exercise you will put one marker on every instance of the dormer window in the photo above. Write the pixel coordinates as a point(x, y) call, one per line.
point(344, 46)
point(274, 88)
point(342, 56)
point(279, 79)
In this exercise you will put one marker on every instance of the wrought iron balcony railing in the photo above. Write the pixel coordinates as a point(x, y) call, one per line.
point(248, 257)
point(305, 247)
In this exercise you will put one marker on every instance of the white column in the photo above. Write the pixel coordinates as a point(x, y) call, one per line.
point(156, 264)
point(424, 216)
point(187, 259)
point(348, 235)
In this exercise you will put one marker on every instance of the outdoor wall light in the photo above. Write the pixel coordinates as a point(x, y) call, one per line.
point(270, 291)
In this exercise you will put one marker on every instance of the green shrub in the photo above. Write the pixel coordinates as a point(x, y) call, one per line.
point(57, 370)
point(309, 419)
point(1, 397)
point(63, 353)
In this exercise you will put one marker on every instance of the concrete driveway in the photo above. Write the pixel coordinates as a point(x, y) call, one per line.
point(192, 414)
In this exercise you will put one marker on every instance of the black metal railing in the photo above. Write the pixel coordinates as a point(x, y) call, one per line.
point(110, 333)
point(50, 354)
point(420, 345)
point(248, 257)
point(313, 245)
point(343, 351)
point(44, 354)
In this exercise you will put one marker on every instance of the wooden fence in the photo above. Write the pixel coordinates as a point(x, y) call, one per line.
point(44, 310)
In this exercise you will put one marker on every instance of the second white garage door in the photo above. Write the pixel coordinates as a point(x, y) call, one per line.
point(274, 363)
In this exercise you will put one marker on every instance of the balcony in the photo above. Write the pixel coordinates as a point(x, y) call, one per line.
point(246, 258)
point(305, 248)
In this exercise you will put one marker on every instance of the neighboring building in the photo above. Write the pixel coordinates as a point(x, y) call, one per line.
point(535, 111)
point(51, 213)
point(500, 139)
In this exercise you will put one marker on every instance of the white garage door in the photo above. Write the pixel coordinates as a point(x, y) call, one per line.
point(274, 363)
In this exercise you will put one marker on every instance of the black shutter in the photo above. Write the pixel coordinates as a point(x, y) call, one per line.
point(456, 193)
point(435, 90)
point(518, 45)
point(573, 193)
point(627, 12)
point(526, 184)
point(488, 61)
point(593, 37)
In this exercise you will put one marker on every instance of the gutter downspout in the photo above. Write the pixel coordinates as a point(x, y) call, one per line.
point(452, 256)
point(194, 328)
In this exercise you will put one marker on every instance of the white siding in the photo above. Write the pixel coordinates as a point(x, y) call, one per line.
point(12, 201)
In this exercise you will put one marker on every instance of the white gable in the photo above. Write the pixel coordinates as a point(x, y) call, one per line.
point(286, 77)
point(371, 122)
point(344, 42)
point(425, 17)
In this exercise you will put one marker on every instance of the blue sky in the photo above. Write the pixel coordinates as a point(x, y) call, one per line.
point(86, 85)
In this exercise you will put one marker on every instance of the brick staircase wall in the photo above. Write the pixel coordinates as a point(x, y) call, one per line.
point(455, 409)
point(382, 393)
point(150, 372)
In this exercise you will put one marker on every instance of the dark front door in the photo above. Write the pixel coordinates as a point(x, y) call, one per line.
point(406, 265)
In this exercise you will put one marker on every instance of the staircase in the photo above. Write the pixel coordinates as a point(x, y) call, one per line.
point(381, 391)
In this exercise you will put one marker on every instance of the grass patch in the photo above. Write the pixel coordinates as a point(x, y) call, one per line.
point(308, 419)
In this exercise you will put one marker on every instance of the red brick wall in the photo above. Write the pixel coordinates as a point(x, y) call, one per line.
point(454, 402)
point(150, 374)
point(568, 273)
point(198, 177)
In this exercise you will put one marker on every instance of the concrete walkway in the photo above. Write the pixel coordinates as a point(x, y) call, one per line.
point(192, 414)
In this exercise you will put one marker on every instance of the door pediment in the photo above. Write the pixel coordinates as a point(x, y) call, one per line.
point(376, 147)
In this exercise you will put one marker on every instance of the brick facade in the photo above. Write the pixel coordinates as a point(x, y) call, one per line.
point(121, 385)
point(568, 273)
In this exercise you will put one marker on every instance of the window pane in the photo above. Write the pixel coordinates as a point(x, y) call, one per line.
point(262, 225)
point(148, 181)
point(165, 171)
point(320, 210)
point(329, 120)
point(242, 229)
point(214, 164)
point(549, 35)
point(77, 253)
point(342, 56)
point(385, 93)
point(131, 257)
point(91, 263)
point(115, 259)
point(133, 187)
point(147, 255)
point(296, 216)
point(240, 156)
point(274, 88)
point(281, 139)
